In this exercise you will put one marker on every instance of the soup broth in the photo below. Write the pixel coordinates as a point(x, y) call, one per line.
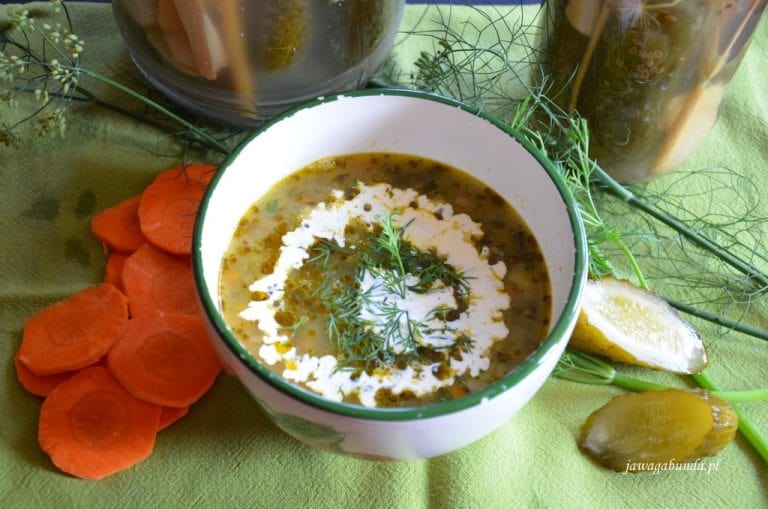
point(385, 280)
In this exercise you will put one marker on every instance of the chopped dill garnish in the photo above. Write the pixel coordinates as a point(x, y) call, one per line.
point(293, 328)
point(322, 250)
point(366, 322)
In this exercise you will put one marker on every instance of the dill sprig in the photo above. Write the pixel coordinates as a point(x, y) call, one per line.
point(322, 250)
point(292, 329)
point(397, 267)
point(44, 59)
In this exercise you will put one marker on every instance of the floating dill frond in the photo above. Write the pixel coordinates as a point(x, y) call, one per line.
point(292, 329)
point(366, 324)
point(322, 250)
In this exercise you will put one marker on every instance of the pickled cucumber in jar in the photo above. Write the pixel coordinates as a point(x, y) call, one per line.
point(254, 58)
point(648, 75)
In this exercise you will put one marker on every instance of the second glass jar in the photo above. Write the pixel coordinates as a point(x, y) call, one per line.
point(242, 61)
point(649, 76)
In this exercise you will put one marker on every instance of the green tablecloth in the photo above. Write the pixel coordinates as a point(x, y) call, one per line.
point(226, 452)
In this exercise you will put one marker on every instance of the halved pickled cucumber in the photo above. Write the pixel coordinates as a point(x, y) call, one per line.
point(636, 431)
point(625, 323)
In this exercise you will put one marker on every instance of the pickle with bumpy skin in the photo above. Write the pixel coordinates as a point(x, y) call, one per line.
point(286, 34)
point(367, 21)
point(639, 431)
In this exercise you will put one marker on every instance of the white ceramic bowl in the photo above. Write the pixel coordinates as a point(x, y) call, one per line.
point(422, 125)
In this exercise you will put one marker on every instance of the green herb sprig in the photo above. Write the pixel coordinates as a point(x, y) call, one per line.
point(396, 264)
point(45, 60)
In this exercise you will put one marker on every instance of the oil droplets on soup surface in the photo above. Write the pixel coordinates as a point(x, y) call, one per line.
point(385, 280)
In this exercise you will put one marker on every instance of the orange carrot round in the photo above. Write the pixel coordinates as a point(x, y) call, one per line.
point(169, 415)
point(156, 281)
point(196, 172)
point(38, 385)
point(168, 208)
point(165, 358)
point(118, 226)
point(73, 333)
point(113, 272)
point(91, 427)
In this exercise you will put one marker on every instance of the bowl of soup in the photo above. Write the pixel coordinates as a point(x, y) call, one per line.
point(391, 274)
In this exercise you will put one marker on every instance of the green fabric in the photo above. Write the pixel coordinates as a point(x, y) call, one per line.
point(225, 452)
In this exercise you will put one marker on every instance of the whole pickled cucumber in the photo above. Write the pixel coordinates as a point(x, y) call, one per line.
point(639, 431)
point(366, 20)
point(285, 34)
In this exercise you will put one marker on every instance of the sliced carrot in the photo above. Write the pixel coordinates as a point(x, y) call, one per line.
point(39, 385)
point(196, 172)
point(113, 272)
point(168, 208)
point(169, 415)
point(73, 333)
point(165, 358)
point(91, 427)
point(156, 281)
point(118, 226)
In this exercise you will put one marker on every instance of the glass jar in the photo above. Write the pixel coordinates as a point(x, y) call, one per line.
point(648, 75)
point(242, 61)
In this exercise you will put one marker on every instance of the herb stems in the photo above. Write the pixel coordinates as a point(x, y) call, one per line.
point(612, 186)
point(718, 319)
point(579, 367)
point(199, 133)
point(758, 441)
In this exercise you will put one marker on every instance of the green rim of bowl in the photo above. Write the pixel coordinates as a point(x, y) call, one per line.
point(407, 413)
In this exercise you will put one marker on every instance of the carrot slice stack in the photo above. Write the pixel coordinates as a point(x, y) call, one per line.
point(91, 427)
point(169, 415)
point(73, 333)
point(113, 272)
point(165, 358)
point(110, 383)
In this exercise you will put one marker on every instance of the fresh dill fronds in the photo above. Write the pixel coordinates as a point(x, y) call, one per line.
point(322, 251)
point(390, 240)
point(42, 57)
point(368, 325)
point(294, 328)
